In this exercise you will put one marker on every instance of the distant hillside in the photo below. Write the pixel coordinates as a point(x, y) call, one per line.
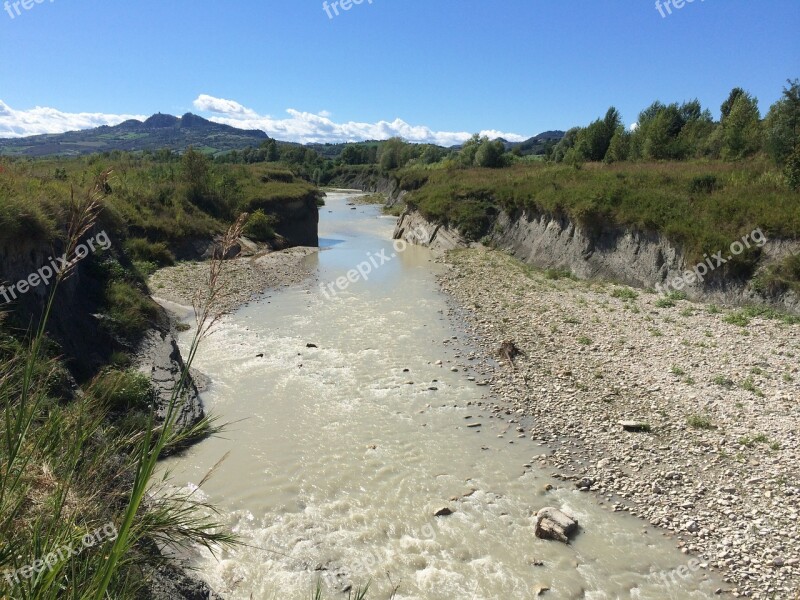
point(159, 131)
point(538, 144)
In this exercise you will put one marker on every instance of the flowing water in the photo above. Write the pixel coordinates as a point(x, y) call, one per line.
point(339, 458)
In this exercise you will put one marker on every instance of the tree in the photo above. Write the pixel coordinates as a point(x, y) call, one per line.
point(727, 106)
point(741, 128)
point(619, 147)
point(565, 144)
point(782, 125)
point(273, 154)
point(490, 154)
point(469, 149)
point(195, 169)
point(390, 154)
point(792, 169)
point(353, 155)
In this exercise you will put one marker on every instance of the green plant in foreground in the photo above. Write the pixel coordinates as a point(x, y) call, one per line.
point(585, 341)
point(61, 464)
point(676, 370)
point(155, 442)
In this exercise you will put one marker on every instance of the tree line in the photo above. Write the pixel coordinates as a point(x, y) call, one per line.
point(687, 131)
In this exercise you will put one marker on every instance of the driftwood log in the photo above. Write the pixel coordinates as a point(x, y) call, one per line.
point(552, 524)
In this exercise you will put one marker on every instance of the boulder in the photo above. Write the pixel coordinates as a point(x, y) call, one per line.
point(553, 524)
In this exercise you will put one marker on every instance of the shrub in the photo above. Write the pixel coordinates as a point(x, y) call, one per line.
point(624, 293)
point(792, 169)
point(699, 422)
point(737, 318)
point(129, 309)
point(260, 226)
point(704, 184)
point(123, 391)
point(143, 250)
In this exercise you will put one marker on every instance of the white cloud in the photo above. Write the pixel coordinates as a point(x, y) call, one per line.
point(20, 123)
point(225, 107)
point(297, 126)
point(308, 127)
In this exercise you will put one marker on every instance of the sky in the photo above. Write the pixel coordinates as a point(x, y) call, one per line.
point(426, 70)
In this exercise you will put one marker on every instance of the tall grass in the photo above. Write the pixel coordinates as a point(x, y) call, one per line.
point(66, 470)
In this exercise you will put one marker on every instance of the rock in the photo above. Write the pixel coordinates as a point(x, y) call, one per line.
point(260, 355)
point(553, 524)
point(443, 512)
point(311, 346)
point(635, 426)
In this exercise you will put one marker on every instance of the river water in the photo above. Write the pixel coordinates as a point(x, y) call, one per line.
point(339, 457)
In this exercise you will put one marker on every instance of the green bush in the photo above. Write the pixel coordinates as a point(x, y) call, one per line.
point(141, 249)
point(704, 184)
point(130, 310)
point(123, 391)
point(260, 226)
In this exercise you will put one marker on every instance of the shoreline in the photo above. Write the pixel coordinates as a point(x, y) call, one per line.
point(720, 401)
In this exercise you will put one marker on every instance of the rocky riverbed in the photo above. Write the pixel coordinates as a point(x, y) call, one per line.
point(243, 278)
point(710, 399)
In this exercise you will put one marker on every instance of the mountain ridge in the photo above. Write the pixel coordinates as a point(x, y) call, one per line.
point(162, 130)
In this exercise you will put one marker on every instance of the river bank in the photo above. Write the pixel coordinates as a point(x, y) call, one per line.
point(718, 467)
point(243, 278)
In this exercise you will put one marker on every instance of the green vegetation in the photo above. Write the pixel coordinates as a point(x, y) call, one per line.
point(759, 438)
point(625, 293)
point(260, 226)
point(74, 464)
point(750, 386)
point(701, 183)
point(723, 381)
point(154, 201)
point(699, 422)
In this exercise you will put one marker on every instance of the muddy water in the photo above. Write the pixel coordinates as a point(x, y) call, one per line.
point(339, 457)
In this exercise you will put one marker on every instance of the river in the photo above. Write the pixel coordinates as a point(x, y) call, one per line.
point(340, 454)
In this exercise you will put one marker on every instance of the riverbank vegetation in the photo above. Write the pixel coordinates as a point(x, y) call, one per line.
point(701, 183)
point(81, 515)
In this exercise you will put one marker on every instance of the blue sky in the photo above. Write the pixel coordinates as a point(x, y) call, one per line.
point(427, 69)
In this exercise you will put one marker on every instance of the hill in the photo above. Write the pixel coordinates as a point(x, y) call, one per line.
point(159, 131)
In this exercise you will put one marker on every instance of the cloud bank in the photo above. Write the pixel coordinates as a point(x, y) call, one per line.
point(21, 123)
point(297, 126)
point(308, 127)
